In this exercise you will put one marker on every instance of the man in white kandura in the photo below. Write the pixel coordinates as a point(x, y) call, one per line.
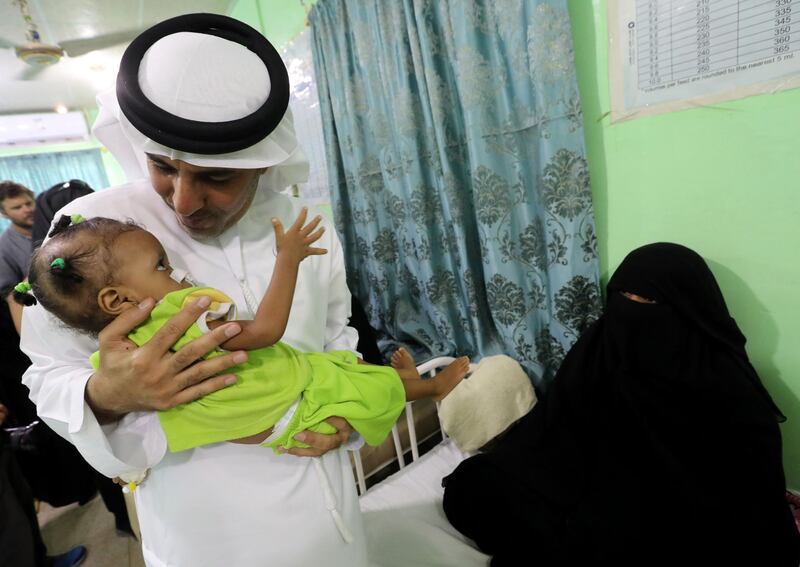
point(199, 122)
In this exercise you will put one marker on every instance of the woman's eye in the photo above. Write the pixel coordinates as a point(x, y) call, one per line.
point(161, 267)
point(638, 298)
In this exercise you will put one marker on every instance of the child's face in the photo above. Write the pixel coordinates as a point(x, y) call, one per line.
point(144, 267)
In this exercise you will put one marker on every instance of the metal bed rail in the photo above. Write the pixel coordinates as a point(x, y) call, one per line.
point(428, 368)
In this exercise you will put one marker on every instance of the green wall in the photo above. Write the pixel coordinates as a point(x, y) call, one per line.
point(724, 180)
point(279, 20)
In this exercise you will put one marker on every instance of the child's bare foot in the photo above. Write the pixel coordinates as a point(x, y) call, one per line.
point(449, 378)
point(403, 362)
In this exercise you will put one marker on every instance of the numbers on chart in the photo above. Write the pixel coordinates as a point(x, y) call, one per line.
point(783, 19)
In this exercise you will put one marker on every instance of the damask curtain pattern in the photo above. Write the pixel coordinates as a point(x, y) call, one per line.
point(458, 173)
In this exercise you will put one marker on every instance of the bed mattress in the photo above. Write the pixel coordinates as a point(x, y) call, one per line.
point(405, 522)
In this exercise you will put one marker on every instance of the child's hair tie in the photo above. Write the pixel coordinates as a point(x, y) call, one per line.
point(64, 273)
point(22, 294)
point(64, 222)
point(22, 287)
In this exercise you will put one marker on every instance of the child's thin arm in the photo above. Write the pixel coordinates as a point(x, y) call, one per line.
point(269, 324)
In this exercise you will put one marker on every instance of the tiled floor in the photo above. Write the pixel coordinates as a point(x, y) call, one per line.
point(90, 525)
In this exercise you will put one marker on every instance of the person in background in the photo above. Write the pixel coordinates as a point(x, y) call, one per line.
point(55, 472)
point(16, 205)
point(50, 201)
point(21, 542)
point(656, 444)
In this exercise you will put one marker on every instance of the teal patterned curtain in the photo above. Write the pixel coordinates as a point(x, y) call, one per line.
point(458, 174)
point(38, 172)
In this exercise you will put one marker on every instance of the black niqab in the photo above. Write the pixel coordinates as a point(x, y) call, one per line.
point(656, 444)
point(49, 202)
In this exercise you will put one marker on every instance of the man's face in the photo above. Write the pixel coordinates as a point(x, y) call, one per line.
point(19, 210)
point(206, 200)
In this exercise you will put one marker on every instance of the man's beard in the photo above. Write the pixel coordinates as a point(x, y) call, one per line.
point(222, 224)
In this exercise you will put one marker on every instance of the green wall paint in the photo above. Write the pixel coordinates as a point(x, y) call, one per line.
point(279, 20)
point(724, 180)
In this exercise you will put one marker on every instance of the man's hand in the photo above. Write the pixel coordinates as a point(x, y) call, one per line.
point(320, 443)
point(296, 242)
point(152, 377)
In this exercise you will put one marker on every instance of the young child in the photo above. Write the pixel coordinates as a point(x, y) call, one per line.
point(91, 271)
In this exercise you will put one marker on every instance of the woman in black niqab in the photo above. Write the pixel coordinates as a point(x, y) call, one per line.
point(49, 202)
point(657, 443)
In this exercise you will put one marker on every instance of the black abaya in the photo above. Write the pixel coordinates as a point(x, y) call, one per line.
point(656, 444)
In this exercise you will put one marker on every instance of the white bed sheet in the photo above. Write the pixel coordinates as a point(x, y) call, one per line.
point(405, 522)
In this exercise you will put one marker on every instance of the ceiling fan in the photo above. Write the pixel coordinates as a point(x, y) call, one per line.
point(40, 55)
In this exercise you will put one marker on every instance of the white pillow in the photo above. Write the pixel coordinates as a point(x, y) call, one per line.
point(495, 395)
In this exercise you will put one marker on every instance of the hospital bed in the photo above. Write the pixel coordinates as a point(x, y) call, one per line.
point(403, 515)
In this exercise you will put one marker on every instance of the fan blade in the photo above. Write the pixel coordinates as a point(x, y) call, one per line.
point(30, 73)
point(77, 47)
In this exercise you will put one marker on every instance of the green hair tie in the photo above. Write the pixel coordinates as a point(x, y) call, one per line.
point(22, 287)
point(76, 219)
point(59, 263)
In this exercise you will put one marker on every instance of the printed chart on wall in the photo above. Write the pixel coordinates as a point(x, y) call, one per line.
point(667, 55)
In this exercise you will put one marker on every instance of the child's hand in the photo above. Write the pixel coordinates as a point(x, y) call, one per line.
point(296, 242)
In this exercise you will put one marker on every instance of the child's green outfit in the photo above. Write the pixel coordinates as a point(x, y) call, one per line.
point(329, 384)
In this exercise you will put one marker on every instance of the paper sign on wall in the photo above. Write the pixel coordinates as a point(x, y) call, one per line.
point(669, 55)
